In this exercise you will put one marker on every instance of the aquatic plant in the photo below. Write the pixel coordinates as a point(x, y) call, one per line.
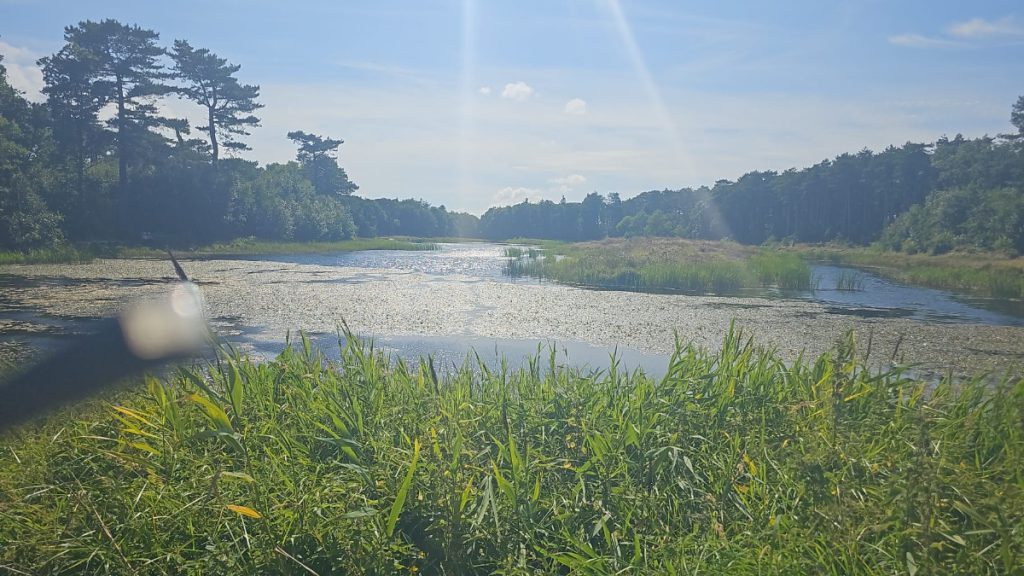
point(732, 462)
point(601, 267)
point(849, 281)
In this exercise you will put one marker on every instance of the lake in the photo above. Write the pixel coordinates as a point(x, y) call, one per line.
point(455, 301)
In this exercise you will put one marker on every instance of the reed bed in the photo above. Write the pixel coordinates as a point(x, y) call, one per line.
point(733, 462)
point(61, 254)
point(601, 267)
point(849, 281)
point(982, 274)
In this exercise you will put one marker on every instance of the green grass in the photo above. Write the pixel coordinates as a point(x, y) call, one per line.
point(732, 463)
point(849, 281)
point(54, 255)
point(240, 247)
point(637, 268)
point(248, 247)
point(983, 274)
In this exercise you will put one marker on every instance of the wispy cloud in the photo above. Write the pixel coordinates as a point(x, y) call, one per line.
point(570, 180)
point(980, 28)
point(485, 90)
point(517, 91)
point(558, 188)
point(515, 195)
point(966, 33)
point(921, 41)
point(576, 107)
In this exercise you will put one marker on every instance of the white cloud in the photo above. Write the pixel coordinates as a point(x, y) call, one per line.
point(981, 28)
point(920, 41)
point(517, 91)
point(514, 195)
point(576, 107)
point(570, 180)
point(485, 90)
point(22, 72)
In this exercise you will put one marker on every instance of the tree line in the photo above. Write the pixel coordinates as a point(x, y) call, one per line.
point(953, 193)
point(100, 161)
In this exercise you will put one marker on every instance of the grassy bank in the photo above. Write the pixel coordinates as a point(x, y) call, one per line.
point(733, 463)
point(982, 274)
point(241, 247)
point(54, 255)
point(652, 265)
point(248, 247)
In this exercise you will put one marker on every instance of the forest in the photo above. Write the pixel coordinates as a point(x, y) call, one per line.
point(952, 194)
point(97, 162)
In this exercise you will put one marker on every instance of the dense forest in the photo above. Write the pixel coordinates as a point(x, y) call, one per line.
point(954, 193)
point(98, 162)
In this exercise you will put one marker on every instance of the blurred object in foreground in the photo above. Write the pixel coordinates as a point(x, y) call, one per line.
point(145, 335)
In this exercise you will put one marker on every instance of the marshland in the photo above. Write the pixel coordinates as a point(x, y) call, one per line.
point(511, 348)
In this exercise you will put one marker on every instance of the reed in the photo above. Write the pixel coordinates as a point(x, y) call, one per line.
point(733, 462)
point(602, 267)
point(61, 254)
point(849, 281)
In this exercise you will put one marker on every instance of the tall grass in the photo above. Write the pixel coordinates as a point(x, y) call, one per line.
point(601, 267)
point(732, 463)
point(249, 247)
point(849, 281)
point(983, 274)
point(782, 269)
point(241, 247)
point(60, 254)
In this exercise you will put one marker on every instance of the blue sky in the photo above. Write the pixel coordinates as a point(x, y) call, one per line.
point(472, 103)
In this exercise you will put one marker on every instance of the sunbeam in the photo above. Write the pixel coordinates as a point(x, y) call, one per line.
point(467, 77)
point(680, 151)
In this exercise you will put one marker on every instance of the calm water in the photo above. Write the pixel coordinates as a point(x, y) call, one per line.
point(455, 302)
point(877, 296)
point(874, 296)
point(471, 260)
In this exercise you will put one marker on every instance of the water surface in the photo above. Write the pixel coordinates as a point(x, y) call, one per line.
point(455, 300)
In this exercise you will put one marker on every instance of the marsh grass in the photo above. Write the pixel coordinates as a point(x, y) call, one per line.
point(602, 266)
point(241, 247)
point(520, 251)
point(984, 274)
point(249, 247)
point(733, 462)
point(61, 254)
point(849, 281)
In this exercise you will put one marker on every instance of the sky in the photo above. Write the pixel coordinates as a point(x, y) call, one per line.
point(476, 103)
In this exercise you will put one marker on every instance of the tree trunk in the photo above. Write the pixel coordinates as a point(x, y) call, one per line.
point(213, 130)
point(122, 161)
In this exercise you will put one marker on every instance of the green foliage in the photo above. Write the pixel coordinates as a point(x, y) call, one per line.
point(209, 81)
point(782, 269)
point(733, 462)
point(987, 275)
point(65, 175)
point(645, 269)
point(317, 156)
point(959, 218)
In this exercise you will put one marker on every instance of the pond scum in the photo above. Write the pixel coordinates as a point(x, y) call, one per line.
point(734, 462)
